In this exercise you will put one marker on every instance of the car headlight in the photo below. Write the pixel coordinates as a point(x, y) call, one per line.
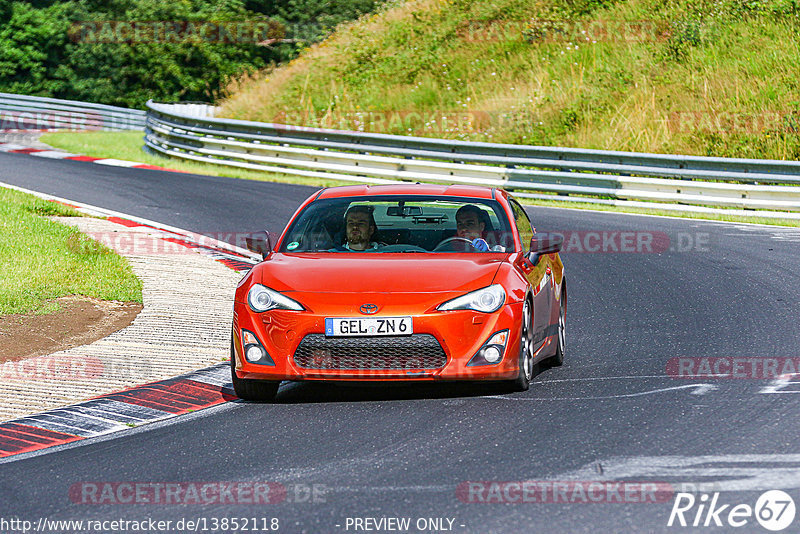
point(261, 299)
point(486, 300)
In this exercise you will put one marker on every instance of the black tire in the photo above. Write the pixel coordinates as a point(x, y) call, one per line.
point(527, 369)
point(252, 390)
point(557, 360)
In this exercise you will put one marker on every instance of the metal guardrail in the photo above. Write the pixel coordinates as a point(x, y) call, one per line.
point(540, 172)
point(22, 112)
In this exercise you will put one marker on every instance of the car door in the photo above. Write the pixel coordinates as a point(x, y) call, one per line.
point(539, 276)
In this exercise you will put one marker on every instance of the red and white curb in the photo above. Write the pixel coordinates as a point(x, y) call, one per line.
point(213, 248)
point(142, 404)
point(14, 148)
point(237, 258)
point(119, 411)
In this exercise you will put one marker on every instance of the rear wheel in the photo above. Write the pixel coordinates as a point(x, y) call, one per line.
point(526, 366)
point(252, 390)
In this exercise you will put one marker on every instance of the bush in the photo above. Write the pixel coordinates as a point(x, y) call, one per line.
point(68, 49)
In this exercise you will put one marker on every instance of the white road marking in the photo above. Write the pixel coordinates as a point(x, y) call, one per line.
point(700, 389)
point(777, 385)
point(8, 147)
point(117, 162)
point(777, 233)
point(630, 377)
point(727, 472)
point(53, 154)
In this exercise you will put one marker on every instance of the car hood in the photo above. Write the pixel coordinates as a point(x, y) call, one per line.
point(379, 273)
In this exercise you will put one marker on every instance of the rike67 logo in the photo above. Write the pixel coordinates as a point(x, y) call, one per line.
point(774, 510)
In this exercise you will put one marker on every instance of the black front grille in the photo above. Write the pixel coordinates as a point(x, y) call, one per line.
point(417, 351)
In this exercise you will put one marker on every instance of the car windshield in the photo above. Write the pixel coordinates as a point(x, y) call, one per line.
point(400, 224)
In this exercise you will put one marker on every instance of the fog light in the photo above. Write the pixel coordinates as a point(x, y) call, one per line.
point(491, 355)
point(253, 353)
point(492, 351)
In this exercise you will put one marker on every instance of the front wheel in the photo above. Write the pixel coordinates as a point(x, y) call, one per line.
point(526, 366)
point(252, 390)
point(558, 358)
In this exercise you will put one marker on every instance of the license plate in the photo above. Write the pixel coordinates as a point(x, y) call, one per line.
point(368, 326)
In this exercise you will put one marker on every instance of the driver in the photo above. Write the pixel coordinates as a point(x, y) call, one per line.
point(473, 223)
point(360, 226)
point(469, 222)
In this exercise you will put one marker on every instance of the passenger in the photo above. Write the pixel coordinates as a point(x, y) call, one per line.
point(359, 228)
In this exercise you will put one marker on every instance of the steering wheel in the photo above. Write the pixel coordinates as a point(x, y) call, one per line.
point(454, 239)
point(401, 248)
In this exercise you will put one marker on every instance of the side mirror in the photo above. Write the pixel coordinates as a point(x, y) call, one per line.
point(259, 242)
point(544, 243)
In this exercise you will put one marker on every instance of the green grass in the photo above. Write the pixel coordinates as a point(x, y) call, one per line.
point(128, 146)
point(41, 260)
point(755, 219)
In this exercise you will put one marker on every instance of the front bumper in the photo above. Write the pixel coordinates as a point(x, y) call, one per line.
point(459, 334)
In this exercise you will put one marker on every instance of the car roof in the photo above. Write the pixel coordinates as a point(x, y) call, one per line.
point(470, 191)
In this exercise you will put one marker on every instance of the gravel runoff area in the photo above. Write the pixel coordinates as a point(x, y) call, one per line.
point(184, 325)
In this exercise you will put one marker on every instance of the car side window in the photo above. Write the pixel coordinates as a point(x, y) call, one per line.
point(523, 225)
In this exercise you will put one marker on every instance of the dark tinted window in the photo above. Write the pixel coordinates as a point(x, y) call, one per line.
point(410, 223)
point(523, 225)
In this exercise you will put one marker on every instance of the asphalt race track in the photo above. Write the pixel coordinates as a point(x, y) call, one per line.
point(621, 413)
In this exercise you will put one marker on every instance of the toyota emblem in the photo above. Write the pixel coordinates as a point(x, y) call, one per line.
point(368, 309)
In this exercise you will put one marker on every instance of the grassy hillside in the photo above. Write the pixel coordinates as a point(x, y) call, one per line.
point(675, 76)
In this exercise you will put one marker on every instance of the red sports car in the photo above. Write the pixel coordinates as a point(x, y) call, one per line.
point(404, 282)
